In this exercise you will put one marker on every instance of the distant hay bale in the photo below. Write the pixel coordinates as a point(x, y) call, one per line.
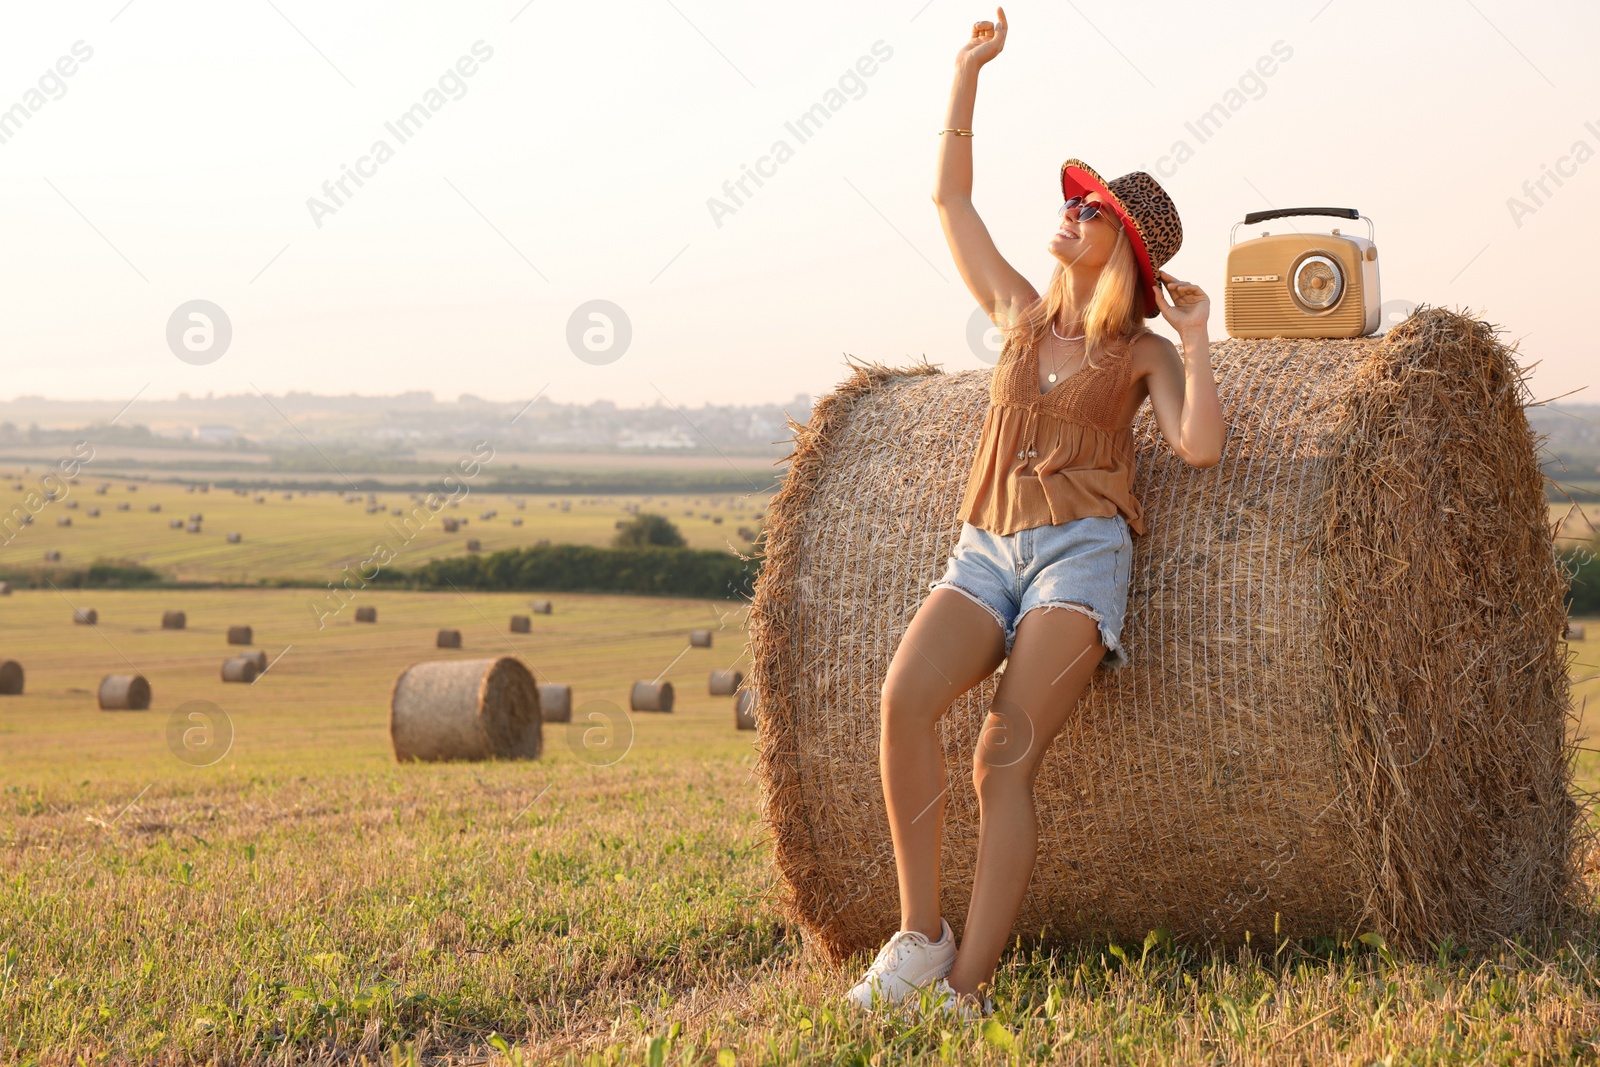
point(521, 624)
point(541, 607)
point(258, 657)
point(366, 615)
point(448, 639)
point(124, 692)
point(241, 635)
point(235, 538)
point(52, 556)
point(726, 683)
point(1346, 704)
point(240, 669)
point(744, 710)
point(155, 507)
point(197, 517)
point(5, 588)
point(555, 701)
point(86, 617)
point(193, 527)
point(64, 520)
point(122, 505)
point(1574, 631)
point(468, 709)
point(93, 513)
point(700, 638)
point(10, 678)
point(451, 525)
point(474, 545)
point(651, 696)
point(516, 521)
point(175, 524)
point(174, 620)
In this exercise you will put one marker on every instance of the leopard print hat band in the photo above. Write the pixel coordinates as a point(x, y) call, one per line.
point(1147, 212)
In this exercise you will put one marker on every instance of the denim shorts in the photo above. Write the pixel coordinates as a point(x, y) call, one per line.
point(1083, 565)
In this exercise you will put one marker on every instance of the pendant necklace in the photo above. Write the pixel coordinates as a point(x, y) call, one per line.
point(1080, 337)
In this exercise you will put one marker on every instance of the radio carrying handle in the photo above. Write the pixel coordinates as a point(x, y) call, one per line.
point(1284, 212)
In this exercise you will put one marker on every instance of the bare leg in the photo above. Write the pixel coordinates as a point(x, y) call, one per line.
point(1052, 661)
point(951, 645)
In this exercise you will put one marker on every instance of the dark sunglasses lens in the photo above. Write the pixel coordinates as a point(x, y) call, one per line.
point(1079, 209)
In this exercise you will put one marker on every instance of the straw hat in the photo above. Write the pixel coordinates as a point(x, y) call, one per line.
point(1149, 218)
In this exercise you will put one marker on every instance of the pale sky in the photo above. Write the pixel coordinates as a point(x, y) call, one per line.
point(576, 160)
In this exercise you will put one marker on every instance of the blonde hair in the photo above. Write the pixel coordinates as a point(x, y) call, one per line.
point(1115, 314)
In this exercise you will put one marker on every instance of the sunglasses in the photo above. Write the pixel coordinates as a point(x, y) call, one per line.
point(1080, 210)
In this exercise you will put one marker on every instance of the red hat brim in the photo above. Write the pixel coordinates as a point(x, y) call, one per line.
point(1079, 180)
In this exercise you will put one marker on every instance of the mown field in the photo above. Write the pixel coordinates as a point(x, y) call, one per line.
point(311, 536)
point(305, 899)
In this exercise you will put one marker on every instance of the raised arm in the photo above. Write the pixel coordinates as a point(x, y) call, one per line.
point(998, 288)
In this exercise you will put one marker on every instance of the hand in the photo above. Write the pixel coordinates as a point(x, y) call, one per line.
point(988, 38)
point(1193, 307)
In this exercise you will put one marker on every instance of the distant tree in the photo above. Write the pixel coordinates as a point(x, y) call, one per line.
point(645, 530)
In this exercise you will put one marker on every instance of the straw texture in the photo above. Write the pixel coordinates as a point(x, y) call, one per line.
point(468, 709)
point(1347, 698)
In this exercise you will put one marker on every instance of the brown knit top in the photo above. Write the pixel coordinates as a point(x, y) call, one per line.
point(1049, 458)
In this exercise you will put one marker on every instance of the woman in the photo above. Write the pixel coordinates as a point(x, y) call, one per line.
point(1049, 517)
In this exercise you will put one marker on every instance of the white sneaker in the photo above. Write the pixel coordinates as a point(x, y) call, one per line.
point(906, 962)
point(948, 1001)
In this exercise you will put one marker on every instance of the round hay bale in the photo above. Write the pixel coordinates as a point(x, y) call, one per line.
point(521, 624)
point(175, 524)
point(86, 617)
point(258, 657)
point(726, 683)
point(651, 696)
point(10, 678)
point(700, 638)
point(744, 710)
point(448, 639)
point(174, 620)
point(466, 709)
point(64, 520)
point(52, 556)
point(555, 701)
point(124, 692)
point(1346, 703)
point(5, 588)
point(474, 545)
point(541, 607)
point(240, 669)
point(122, 505)
point(93, 513)
point(1574, 631)
point(235, 538)
point(366, 615)
point(240, 635)
point(451, 525)
point(193, 527)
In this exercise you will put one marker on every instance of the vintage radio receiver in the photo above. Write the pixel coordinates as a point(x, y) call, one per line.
point(1302, 284)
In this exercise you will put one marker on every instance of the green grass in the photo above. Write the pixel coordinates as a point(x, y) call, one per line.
point(313, 537)
point(305, 899)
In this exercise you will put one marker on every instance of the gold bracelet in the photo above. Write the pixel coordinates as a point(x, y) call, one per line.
point(958, 133)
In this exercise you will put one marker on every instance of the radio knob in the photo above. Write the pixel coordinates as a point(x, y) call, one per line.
point(1372, 252)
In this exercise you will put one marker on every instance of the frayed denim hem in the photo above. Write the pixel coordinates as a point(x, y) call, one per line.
point(1115, 656)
